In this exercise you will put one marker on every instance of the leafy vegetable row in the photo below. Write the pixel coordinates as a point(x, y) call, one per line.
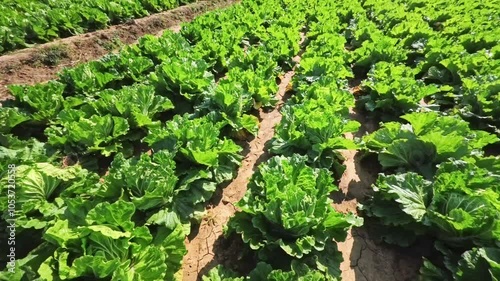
point(429, 68)
point(438, 183)
point(27, 22)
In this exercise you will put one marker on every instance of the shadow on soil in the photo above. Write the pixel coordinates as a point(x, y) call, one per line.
point(367, 257)
point(373, 260)
point(370, 258)
point(231, 253)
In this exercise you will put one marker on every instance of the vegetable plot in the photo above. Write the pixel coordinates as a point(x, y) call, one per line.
point(117, 159)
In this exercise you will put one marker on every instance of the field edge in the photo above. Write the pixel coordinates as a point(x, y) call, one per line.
point(42, 62)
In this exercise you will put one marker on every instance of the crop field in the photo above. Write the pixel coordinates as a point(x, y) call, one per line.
point(280, 140)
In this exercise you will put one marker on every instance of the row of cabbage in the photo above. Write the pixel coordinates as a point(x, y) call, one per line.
point(433, 70)
point(27, 22)
point(115, 159)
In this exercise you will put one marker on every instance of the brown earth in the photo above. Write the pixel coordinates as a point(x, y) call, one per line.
point(27, 67)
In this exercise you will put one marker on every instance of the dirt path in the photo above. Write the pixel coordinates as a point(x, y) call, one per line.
point(29, 66)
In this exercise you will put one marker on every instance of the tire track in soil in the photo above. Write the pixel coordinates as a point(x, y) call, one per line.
point(366, 259)
point(201, 256)
point(19, 67)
